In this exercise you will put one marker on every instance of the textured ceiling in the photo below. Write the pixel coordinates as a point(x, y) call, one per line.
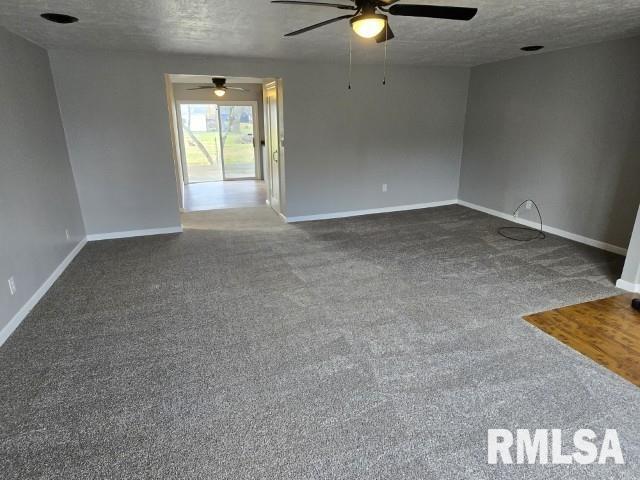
point(254, 28)
point(206, 79)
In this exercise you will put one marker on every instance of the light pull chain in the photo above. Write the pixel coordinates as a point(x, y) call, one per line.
point(349, 60)
point(386, 40)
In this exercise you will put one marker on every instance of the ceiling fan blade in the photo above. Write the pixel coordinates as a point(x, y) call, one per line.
point(237, 89)
point(316, 4)
point(383, 36)
point(387, 2)
point(317, 25)
point(433, 11)
point(201, 88)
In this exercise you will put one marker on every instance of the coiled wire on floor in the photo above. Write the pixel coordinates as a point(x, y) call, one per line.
point(509, 232)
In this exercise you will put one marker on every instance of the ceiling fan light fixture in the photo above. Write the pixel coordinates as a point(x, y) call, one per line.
point(368, 25)
point(219, 92)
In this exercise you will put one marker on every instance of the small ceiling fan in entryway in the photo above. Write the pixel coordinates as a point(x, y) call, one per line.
point(219, 87)
point(367, 22)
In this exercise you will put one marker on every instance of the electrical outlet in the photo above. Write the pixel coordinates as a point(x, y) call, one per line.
point(384, 187)
point(66, 232)
point(12, 286)
point(528, 205)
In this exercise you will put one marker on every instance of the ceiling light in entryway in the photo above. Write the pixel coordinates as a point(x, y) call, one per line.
point(59, 18)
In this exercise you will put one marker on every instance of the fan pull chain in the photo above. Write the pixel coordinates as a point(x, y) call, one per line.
point(349, 61)
point(386, 40)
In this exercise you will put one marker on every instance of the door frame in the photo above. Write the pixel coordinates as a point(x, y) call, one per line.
point(267, 87)
point(218, 103)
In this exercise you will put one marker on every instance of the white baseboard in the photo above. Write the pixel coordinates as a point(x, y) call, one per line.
point(133, 233)
point(552, 230)
point(35, 298)
point(371, 211)
point(628, 286)
point(28, 306)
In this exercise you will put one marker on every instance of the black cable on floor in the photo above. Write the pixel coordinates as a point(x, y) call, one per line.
point(539, 234)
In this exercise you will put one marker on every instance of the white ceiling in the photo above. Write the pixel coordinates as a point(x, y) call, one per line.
point(254, 28)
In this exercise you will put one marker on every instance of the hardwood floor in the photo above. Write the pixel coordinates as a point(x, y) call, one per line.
point(230, 194)
point(607, 331)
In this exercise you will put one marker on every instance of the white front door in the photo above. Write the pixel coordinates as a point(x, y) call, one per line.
point(273, 145)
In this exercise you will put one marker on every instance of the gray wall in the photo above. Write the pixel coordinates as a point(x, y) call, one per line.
point(562, 128)
point(38, 198)
point(340, 146)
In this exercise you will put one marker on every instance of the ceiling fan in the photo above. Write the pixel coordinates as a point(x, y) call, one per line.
point(219, 87)
point(368, 23)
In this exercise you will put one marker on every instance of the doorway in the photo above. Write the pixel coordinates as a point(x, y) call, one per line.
point(222, 154)
point(218, 141)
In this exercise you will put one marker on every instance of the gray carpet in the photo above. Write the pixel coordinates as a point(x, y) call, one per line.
point(372, 347)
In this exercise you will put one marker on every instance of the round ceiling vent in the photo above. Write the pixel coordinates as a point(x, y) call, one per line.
point(59, 18)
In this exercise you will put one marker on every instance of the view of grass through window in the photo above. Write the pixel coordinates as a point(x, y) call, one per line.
point(218, 141)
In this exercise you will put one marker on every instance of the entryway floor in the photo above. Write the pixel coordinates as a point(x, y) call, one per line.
point(229, 194)
point(607, 331)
